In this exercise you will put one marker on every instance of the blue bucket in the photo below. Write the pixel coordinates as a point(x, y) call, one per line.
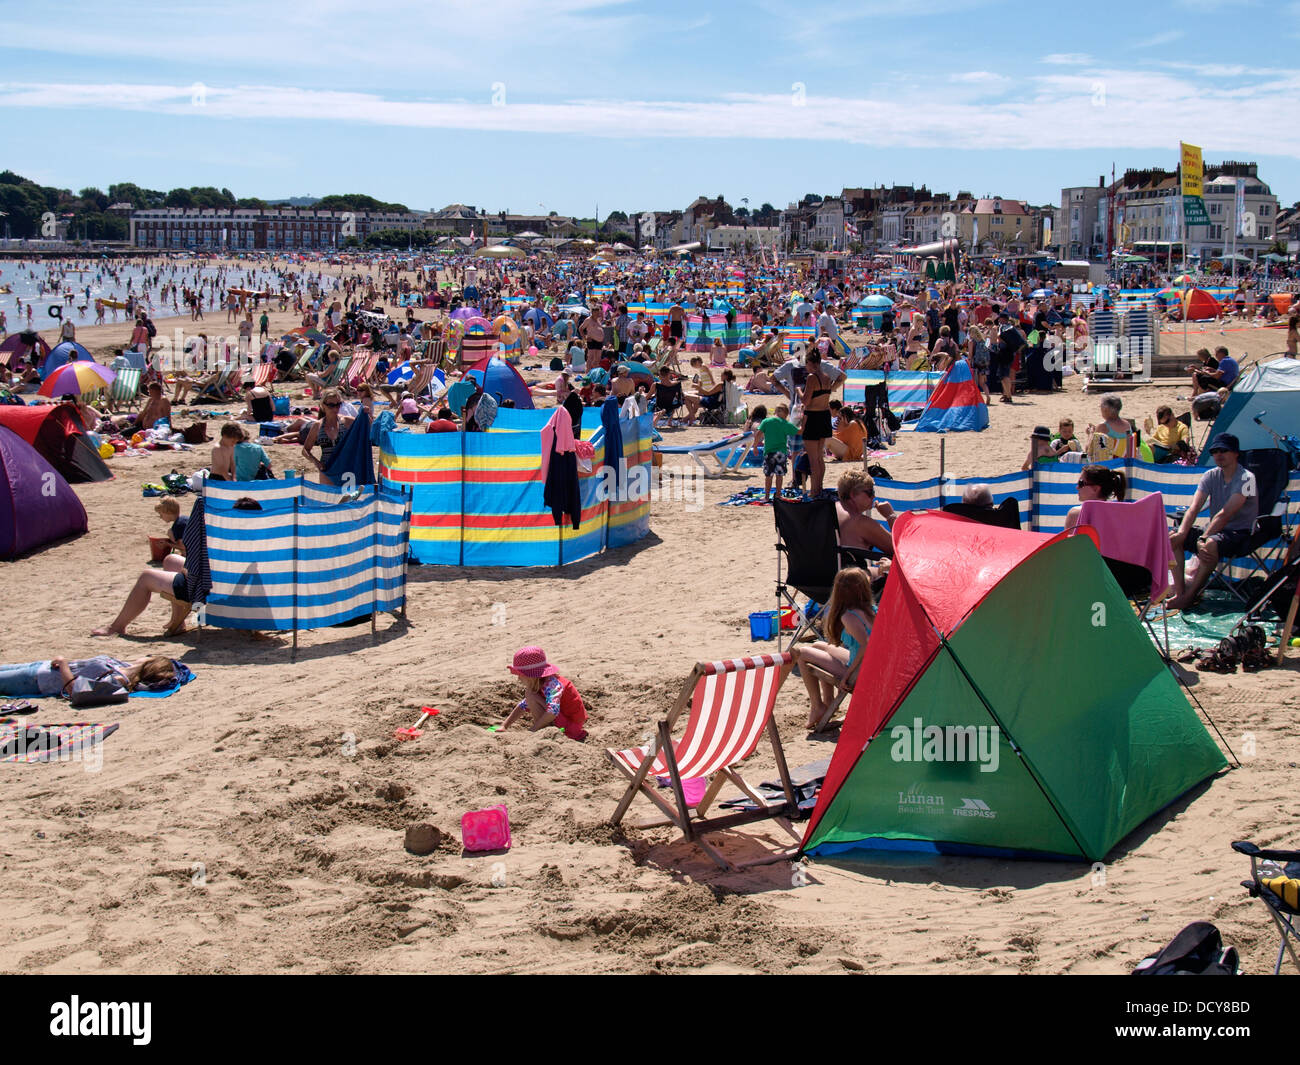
point(762, 626)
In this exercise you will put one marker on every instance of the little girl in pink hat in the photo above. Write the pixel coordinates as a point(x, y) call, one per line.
point(550, 698)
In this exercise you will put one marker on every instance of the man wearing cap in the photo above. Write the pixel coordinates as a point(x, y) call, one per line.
point(1233, 496)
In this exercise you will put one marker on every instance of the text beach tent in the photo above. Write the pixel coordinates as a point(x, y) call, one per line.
point(956, 405)
point(36, 503)
point(1017, 707)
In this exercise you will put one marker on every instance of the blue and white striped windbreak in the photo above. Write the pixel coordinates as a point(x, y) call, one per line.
point(312, 557)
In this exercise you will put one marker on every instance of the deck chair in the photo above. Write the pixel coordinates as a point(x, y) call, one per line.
point(219, 387)
point(1272, 470)
point(305, 361)
point(729, 453)
point(125, 389)
point(1006, 515)
point(264, 374)
point(1278, 889)
point(730, 706)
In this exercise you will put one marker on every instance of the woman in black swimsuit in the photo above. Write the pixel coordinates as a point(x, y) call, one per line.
point(816, 420)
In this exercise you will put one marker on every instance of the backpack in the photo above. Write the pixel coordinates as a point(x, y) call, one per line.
point(1196, 951)
point(153, 330)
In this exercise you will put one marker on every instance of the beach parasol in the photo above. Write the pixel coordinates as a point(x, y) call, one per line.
point(77, 377)
point(503, 251)
point(466, 312)
point(1040, 294)
point(401, 374)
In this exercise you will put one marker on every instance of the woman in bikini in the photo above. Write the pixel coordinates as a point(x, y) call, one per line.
point(327, 432)
point(816, 422)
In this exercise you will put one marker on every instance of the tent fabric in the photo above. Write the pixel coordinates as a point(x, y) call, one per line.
point(956, 404)
point(61, 354)
point(476, 498)
point(1088, 733)
point(499, 378)
point(1271, 392)
point(55, 430)
point(37, 505)
point(1199, 305)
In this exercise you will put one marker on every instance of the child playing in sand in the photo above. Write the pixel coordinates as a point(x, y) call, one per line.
point(169, 509)
point(774, 435)
point(548, 697)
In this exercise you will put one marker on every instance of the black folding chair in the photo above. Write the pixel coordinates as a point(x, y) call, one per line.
point(1279, 889)
point(1006, 515)
point(668, 400)
point(712, 411)
point(1272, 470)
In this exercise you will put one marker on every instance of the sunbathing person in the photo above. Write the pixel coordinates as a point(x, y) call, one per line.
point(857, 492)
point(847, 624)
point(55, 676)
point(763, 384)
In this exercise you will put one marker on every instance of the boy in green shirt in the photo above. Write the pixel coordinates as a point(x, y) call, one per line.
point(774, 434)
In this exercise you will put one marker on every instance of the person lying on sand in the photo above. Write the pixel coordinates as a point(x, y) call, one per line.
point(55, 676)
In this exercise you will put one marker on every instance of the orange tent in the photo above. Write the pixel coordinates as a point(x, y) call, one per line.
point(1199, 305)
point(1282, 301)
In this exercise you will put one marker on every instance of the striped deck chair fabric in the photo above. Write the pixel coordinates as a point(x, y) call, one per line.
point(264, 374)
point(731, 704)
point(125, 389)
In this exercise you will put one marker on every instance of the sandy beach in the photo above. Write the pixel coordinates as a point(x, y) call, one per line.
point(254, 821)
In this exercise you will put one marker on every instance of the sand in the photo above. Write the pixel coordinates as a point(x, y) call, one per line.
point(254, 822)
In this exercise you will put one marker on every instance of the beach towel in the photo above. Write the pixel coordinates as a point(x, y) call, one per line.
point(1144, 544)
point(557, 438)
point(198, 575)
point(353, 455)
point(22, 742)
point(609, 411)
point(183, 676)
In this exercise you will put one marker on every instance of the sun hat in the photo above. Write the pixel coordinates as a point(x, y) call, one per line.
point(1041, 432)
point(531, 662)
point(1225, 442)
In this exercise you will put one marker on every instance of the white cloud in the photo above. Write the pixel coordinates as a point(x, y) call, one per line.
point(1159, 39)
point(1066, 59)
point(1097, 109)
point(979, 77)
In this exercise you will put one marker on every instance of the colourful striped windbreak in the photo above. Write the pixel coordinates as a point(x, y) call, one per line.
point(312, 557)
point(908, 389)
point(476, 498)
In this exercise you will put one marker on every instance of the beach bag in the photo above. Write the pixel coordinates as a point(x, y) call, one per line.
point(97, 691)
point(1196, 951)
point(486, 830)
point(197, 433)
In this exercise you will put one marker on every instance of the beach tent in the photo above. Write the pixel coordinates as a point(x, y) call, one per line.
point(1271, 392)
point(28, 343)
point(956, 405)
point(61, 354)
point(1199, 305)
point(502, 380)
point(36, 503)
point(872, 308)
point(1016, 705)
point(55, 430)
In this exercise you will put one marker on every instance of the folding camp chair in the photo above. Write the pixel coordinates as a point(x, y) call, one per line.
point(1279, 889)
point(668, 401)
point(712, 410)
point(1120, 528)
point(1006, 515)
point(731, 705)
point(1272, 470)
point(125, 389)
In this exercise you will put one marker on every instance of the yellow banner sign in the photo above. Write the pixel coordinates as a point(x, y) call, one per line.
point(1193, 170)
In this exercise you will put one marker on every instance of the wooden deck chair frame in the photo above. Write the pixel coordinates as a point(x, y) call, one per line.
point(304, 360)
point(693, 821)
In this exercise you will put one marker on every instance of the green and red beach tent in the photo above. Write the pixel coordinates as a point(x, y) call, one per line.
point(1010, 704)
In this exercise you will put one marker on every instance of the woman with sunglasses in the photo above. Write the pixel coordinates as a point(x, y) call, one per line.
point(326, 433)
point(1096, 482)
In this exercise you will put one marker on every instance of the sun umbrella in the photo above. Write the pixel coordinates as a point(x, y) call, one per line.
point(1040, 294)
point(1184, 279)
point(77, 377)
point(403, 373)
point(876, 300)
point(466, 312)
point(503, 251)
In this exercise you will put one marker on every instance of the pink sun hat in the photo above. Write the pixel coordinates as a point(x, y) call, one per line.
point(531, 662)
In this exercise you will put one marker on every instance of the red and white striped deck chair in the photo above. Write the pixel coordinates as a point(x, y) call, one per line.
point(264, 374)
point(731, 708)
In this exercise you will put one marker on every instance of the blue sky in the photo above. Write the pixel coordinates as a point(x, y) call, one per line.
point(565, 105)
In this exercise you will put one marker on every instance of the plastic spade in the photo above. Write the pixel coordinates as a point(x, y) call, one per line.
point(414, 732)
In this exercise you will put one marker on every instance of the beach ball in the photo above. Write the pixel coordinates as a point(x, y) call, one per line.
point(106, 450)
point(532, 351)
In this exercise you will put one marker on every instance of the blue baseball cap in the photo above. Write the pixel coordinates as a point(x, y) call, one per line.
point(1225, 442)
